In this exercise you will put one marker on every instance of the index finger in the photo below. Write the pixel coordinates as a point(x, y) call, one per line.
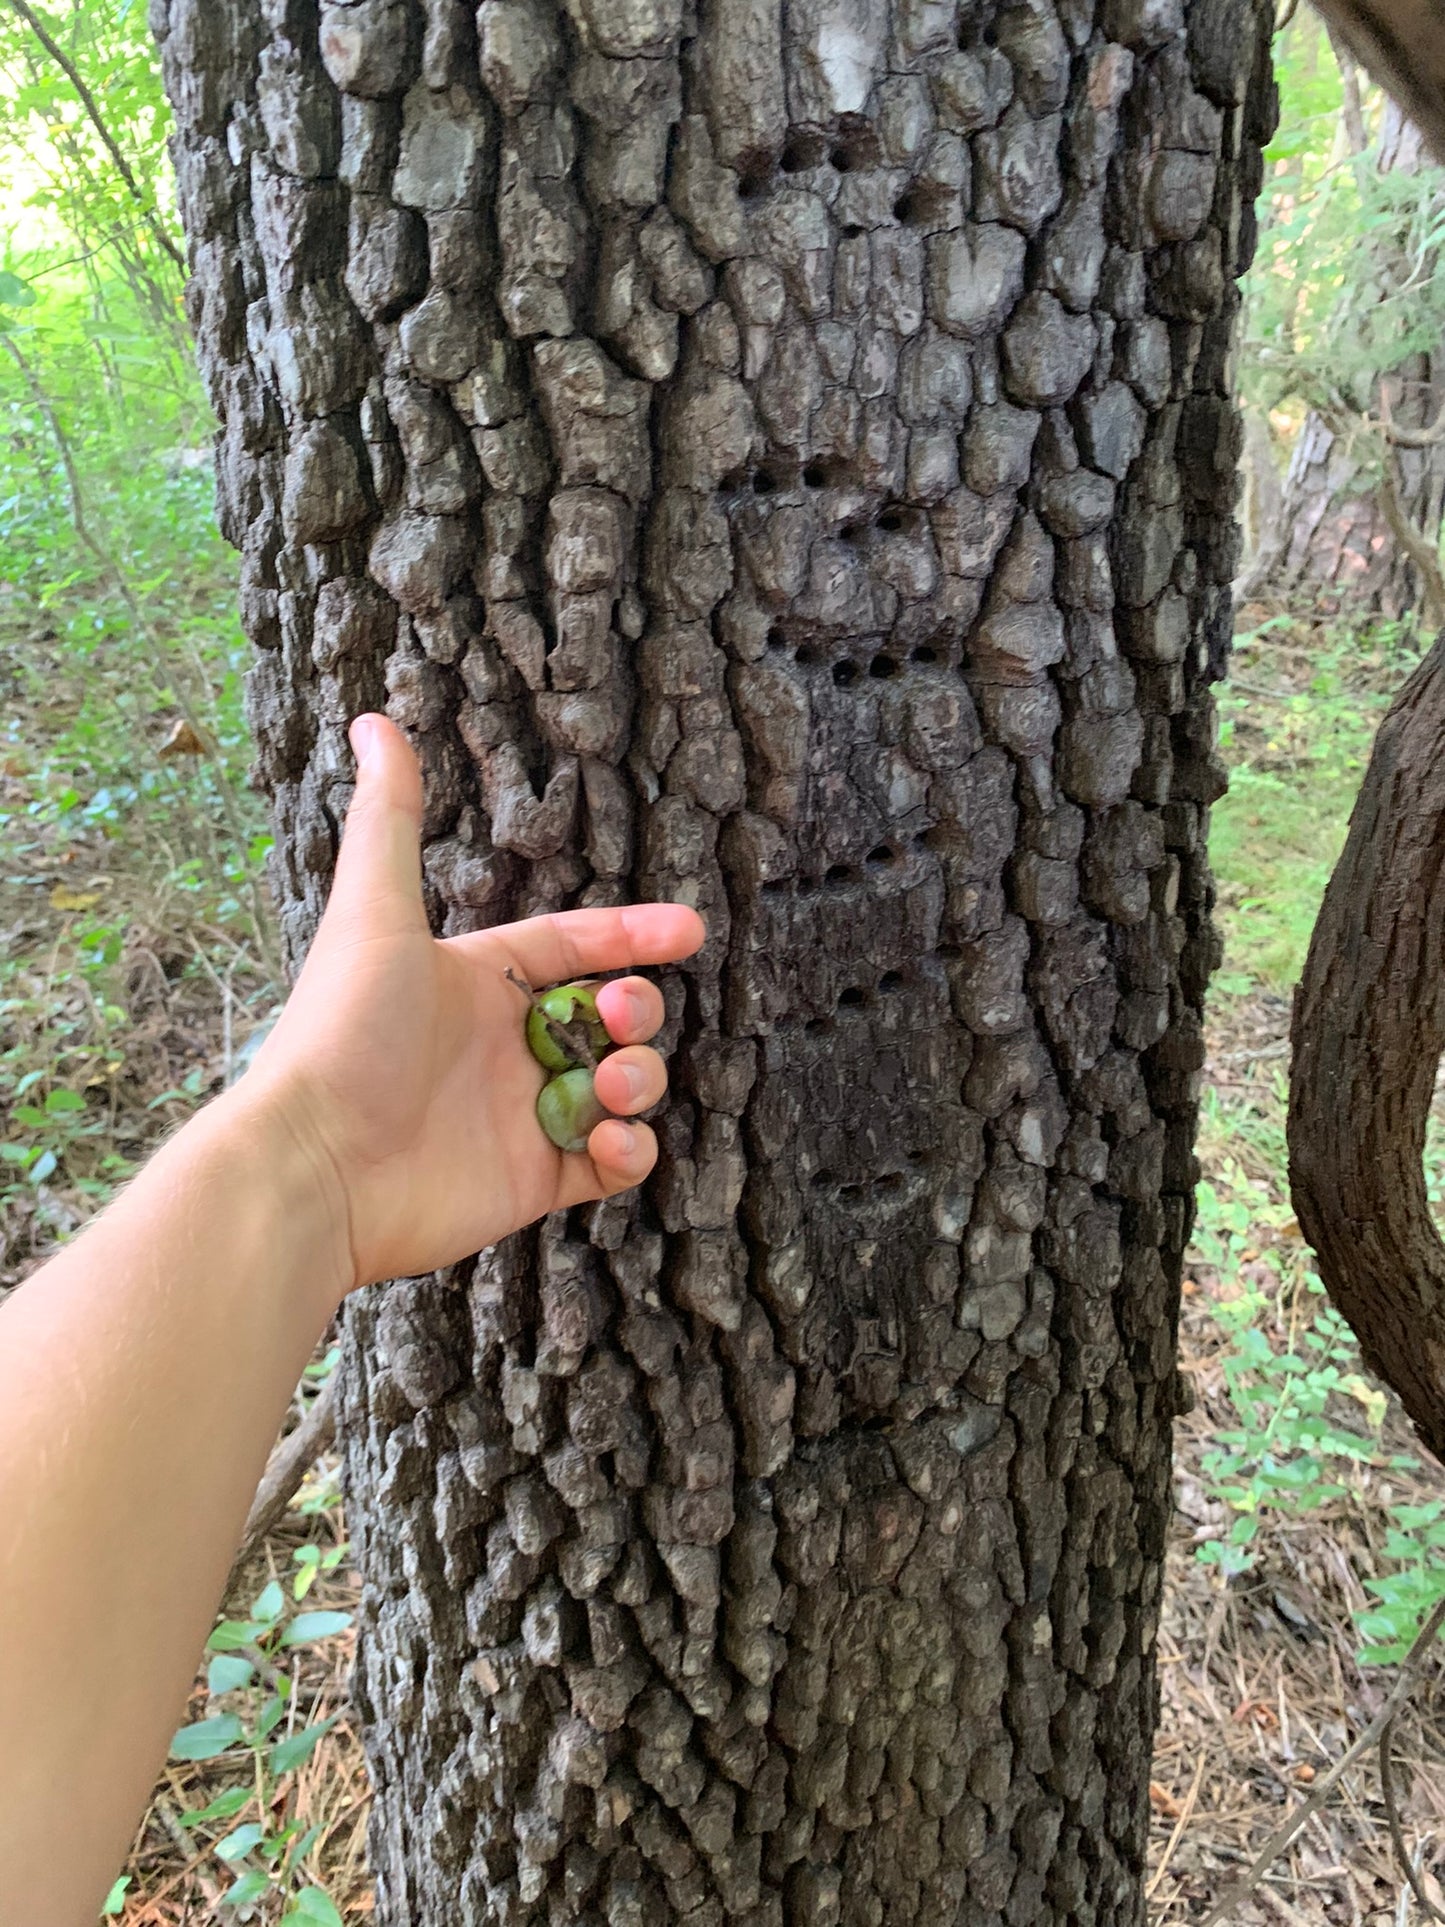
point(573, 943)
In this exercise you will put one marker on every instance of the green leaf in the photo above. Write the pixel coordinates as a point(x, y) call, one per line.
point(42, 1167)
point(227, 1674)
point(115, 1899)
point(15, 293)
point(270, 1604)
point(315, 1907)
point(237, 1845)
point(232, 1634)
point(207, 1739)
point(64, 1101)
point(272, 1714)
point(302, 1847)
point(290, 1753)
point(225, 1806)
point(306, 1627)
point(249, 1887)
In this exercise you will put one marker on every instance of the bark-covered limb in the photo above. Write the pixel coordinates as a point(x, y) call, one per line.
point(287, 1466)
point(1369, 1026)
point(1402, 45)
point(1412, 539)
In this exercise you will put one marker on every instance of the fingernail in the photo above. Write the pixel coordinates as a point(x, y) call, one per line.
point(635, 1078)
point(364, 733)
point(625, 1139)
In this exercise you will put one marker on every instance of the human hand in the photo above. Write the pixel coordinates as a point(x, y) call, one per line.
point(400, 1063)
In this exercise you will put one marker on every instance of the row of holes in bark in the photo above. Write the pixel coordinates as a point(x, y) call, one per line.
point(860, 1187)
point(847, 671)
point(894, 518)
point(840, 876)
point(858, 997)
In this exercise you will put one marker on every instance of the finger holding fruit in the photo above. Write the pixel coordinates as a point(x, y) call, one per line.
point(588, 1036)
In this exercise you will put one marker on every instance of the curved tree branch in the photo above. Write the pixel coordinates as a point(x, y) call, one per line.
point(1368, 1031)
point(1401, 43)
point(92, 107)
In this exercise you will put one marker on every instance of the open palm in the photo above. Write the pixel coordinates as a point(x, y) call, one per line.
point(401, 1058)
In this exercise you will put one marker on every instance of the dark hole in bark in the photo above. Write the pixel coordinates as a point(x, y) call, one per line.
point(821, 1179)
point(856, 147)
point(845, 673)
point(775, 886)
point(806, 656)
point(890, 980)
point(803, 151)
point(890, 1181)
point(852, 999)
point(924, 654)
point(837, 873)
point(752, 182)
point(882, 667)
point(921, 207)
point(893, 521)
point(880, 857)
point(852, 533)
point(850, 231)
point(776, 639)
point(764, 483)
point(816, 1026)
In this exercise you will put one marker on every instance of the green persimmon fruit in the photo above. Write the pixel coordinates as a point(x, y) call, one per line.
point(568, 1110)
point(566, 1006)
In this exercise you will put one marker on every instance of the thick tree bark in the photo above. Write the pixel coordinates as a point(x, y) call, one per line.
point(1369, 1029)
point(779, 459)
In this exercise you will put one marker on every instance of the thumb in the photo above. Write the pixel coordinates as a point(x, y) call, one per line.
point(378, 873)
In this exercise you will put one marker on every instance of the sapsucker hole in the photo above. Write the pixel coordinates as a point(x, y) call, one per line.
point(881, 856)
point(806, 656)
point(852, 999)
point(837, 873)
point(890, 980)
point(845, 673)
point(882, 667)
point(924, 654)
point(803, 151)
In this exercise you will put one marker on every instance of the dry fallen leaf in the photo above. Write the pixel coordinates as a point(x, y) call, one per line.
point(1163, 1801)
point(63, 899)
point(182, 741)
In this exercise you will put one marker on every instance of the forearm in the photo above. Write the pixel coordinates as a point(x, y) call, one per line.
point(144, 1374)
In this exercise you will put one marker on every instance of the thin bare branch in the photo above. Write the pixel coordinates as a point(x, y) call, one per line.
point(92, 107)
point(1295, 1822)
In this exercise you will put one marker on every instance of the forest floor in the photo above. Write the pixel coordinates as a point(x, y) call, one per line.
point(1308, 1526)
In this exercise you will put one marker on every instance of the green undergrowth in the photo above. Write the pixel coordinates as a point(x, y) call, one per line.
point(131, 849)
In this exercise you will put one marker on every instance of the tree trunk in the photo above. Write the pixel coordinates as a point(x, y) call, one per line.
point(780, 460)
point(1332, 547)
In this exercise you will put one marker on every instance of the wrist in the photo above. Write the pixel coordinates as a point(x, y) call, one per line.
point(267, 1129)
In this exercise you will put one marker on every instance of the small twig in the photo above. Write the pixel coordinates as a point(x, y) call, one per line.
point(1295, 1822)
point(1179, 1825)
point(570, 1039)
point(287, 1466)
point(1397, 1831)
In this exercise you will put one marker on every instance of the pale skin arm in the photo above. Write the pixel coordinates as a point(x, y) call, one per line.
point(386, 1130)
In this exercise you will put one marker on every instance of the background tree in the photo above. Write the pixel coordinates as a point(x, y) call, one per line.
point(1345, 331)
point(782, 462)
